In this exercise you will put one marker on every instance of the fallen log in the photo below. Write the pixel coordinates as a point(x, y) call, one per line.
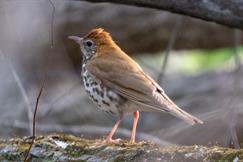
point(62, 147)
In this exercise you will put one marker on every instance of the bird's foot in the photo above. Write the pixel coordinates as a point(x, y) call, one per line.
point(132, 141)
point(111, 141)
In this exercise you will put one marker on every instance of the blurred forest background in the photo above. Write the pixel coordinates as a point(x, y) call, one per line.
point(196, 62)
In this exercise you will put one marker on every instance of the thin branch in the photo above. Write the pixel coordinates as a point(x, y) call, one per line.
point(34, 121)
point(150, 67)
point(42, 86)
point(170, 45)
point(61, 97)
point(225, 12)
point(237, 44)
point(22, 90)
point(52, 22)
point(231, 138)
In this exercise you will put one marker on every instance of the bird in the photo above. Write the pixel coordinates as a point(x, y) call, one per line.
point(118, 85)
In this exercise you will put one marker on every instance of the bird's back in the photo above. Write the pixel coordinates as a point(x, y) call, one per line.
point(115, 70)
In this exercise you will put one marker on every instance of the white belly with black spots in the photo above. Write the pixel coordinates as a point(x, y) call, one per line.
point(104, 98)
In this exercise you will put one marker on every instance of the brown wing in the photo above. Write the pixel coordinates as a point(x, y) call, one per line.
point(121, 73)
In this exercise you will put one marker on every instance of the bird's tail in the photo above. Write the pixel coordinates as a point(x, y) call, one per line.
point(181, 114)
point(171, 108)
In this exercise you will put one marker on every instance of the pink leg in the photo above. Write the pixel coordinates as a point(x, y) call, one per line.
point(110, 135)
point(135, 122)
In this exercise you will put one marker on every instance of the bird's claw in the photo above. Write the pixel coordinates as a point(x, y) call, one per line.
point(111, 141)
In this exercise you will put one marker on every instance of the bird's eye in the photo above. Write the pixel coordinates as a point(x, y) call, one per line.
point(89, 43)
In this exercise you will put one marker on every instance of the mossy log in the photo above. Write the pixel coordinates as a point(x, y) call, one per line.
point(61, 147)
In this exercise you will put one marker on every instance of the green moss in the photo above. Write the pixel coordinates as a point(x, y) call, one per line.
point(76, 149)
point(227, 155)
point(11, 157)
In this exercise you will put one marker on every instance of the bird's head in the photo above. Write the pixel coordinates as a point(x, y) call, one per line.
point(96, 42)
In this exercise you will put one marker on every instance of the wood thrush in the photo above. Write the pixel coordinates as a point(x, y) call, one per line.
point(118, 85)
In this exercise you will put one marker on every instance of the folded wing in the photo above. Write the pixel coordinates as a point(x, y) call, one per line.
point(127, 78)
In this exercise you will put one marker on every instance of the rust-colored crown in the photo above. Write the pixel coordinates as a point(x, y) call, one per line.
point(100, 36)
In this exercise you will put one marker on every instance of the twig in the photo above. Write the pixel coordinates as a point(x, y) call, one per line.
point(169, 47)
point(34, 121)
point(150, 67)
point(60, 97)
point(237, 44)
point(22, 90)
point(52, 22)
point(232, 138)
point(42, 86)
point(24, 94)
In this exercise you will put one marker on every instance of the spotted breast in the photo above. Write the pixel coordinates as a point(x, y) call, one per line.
point(106, 99)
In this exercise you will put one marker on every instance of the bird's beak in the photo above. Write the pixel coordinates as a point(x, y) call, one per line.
point(76, 39)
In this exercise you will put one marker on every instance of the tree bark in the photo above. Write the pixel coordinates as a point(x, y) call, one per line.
point(61, 147)
point(229, 13)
